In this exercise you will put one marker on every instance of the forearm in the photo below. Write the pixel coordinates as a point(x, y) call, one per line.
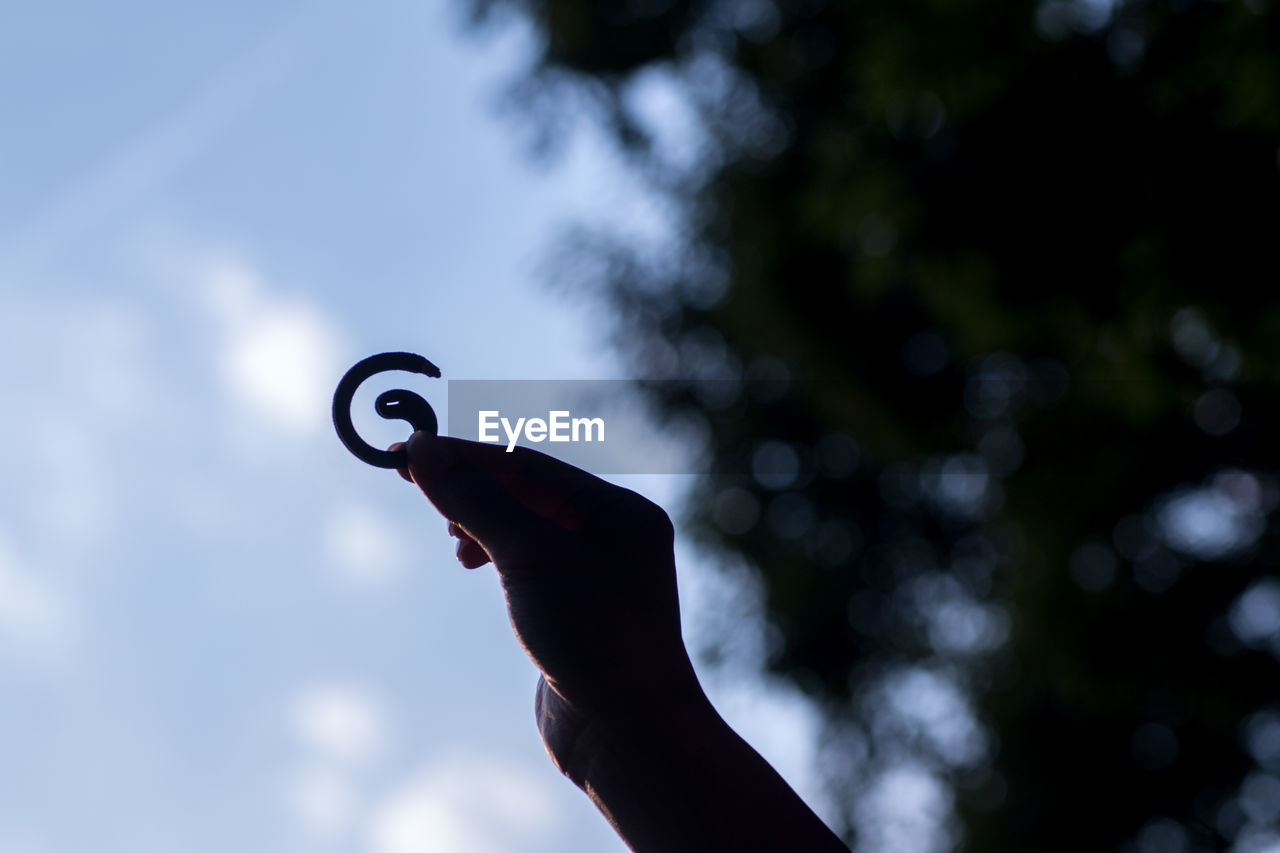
point(677, 778)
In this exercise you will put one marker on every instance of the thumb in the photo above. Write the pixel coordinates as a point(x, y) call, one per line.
point(474, 498)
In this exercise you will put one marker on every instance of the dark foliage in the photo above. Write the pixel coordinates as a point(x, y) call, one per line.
point(1011, 270)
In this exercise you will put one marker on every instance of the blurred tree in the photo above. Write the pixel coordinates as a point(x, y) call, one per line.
point(1001, 280)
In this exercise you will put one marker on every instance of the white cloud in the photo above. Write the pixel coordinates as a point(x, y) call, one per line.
point(363, 546)
point(342, 723)
point(467, 802)
point(277, 355)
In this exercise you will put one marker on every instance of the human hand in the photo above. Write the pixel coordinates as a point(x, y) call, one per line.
point(590, 582)
point(588, 572)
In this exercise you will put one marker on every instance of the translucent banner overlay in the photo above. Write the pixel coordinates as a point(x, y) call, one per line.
point(602, 426)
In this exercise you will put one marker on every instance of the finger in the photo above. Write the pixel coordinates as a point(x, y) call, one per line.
point(471, 554)
point(475, 499)
point(469, 551)
point(551, 488)
point(403, 472)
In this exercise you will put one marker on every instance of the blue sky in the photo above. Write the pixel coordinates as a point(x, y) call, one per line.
point(218, 630)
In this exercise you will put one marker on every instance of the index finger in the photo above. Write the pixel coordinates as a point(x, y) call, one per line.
point(553, 489)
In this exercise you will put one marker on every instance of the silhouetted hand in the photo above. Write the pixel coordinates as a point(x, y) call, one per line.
point(587, 568)
point(590, 581)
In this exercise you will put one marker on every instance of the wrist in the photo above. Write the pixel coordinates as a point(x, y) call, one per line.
point(652, 722)
point(670, 775)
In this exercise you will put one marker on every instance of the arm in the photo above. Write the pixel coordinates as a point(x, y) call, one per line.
point(589, 577)
point(676, 777)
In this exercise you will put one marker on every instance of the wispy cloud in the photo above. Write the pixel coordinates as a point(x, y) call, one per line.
point(150, 160)
point(323, 799)
point(340, 723)
point(343, 729)
point(277, 354)
point(364, 547)
point(464, 802)
point(35, 617)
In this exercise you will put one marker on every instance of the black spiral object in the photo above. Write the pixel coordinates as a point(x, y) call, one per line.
point(396, 404)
